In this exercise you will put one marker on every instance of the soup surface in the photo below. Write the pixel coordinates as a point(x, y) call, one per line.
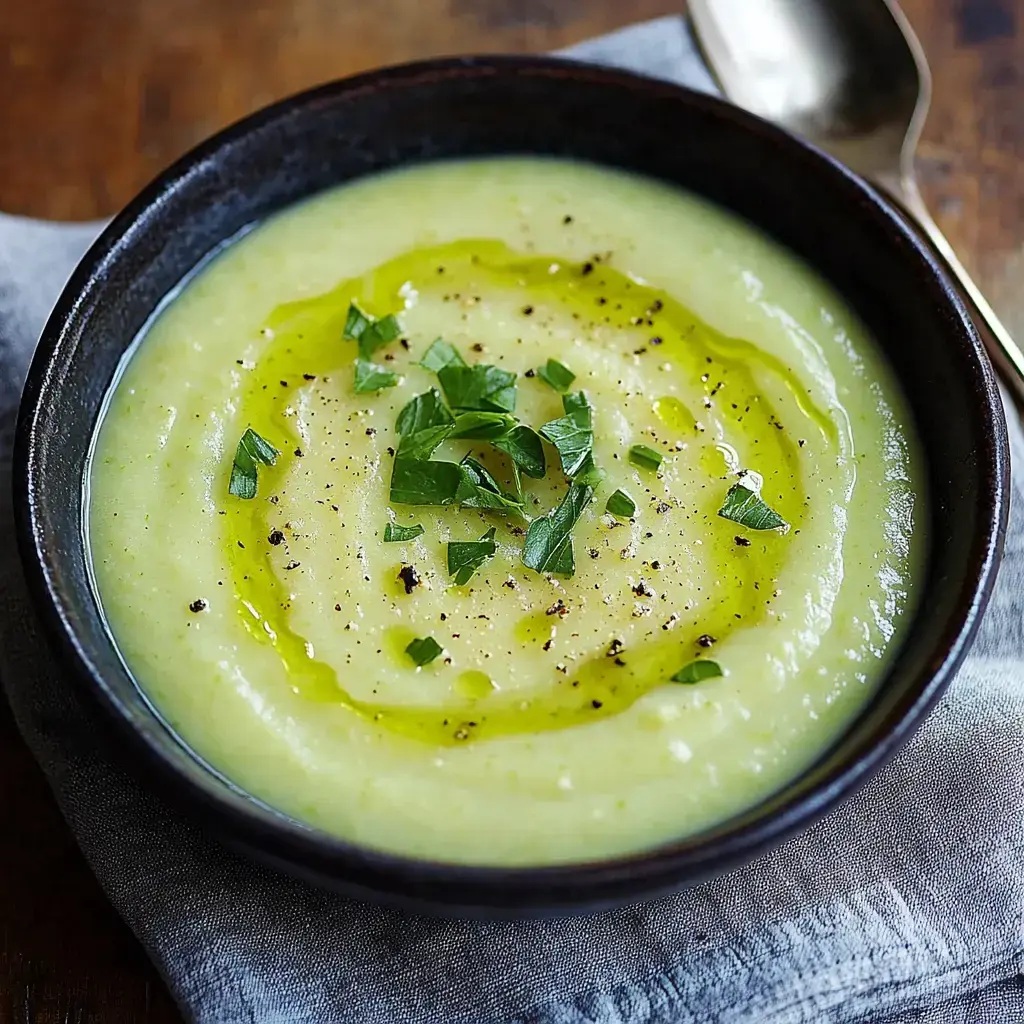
point(662, 624)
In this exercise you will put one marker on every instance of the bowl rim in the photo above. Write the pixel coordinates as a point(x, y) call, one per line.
point(566, 886)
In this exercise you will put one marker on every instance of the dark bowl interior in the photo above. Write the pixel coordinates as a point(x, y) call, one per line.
point(484, 106)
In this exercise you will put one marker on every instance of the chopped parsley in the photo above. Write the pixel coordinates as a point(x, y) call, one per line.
point(573, 434)
point(423, 650)
point(373, 376)
point(426, 410)
point(620, 504)
point(553, 372)
point(695, 671)
point(745, 506)
point(466, 556)
point(523, 445)
point(419, 481)
point(548, 546)
point(423, 424)
point(370, 333)
point(485, 491)
point(422, 481)
point(440, 354)
point(483, 426)
point(252, 450)
point(393, 532)
point(644, 457)
point(482, 386)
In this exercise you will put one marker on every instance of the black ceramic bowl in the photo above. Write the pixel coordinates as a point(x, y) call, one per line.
point(462, 108)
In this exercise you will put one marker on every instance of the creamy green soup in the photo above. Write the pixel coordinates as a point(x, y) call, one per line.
point(652, 639)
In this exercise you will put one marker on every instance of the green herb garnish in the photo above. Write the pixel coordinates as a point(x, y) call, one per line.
point(548, 546)
point(416, 481)
point(426, 410)
point(371, 334)
point(441, 354)
point(466, 556)
point(523, 445)
point(420, 481)
point(393, 532)
point(251, 451)
point(423, 424)
point(373, 376)
point(423, 443)
point(645, 458)
point(483, 426)
point(695, 671)
point(558, 376)
point(423, 650)
point(573, 434)
point(621, 504)
point(482, 386)
point(484, 490)
point(744, 505)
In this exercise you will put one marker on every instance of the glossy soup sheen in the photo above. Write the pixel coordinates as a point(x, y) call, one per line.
point(271, 633)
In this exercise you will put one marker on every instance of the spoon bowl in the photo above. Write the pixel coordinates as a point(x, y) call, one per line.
point(851, 77)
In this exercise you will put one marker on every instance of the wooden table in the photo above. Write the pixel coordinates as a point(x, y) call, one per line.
point(96, 96)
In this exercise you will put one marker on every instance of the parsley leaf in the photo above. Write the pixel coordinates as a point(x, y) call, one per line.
point(373, 377)
point(621, 504)
point(557, 375)
point(418, 481)
point(478, 387)
point(355, 323)
point(423, 443)
point(393, 532)
point(484, 491)
point(573, 434)
point(465, 557)
point(252, 449)
point(483, 426)
point(371, 334)
point(548, 546)
point(744, 505)
point(423, 424)
point(523, 445)
point(423, 650)
point(426, 410)
point(644, 457)
point(441, 354)
point(695, 671)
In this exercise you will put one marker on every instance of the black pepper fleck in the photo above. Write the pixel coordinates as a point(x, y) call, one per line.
point(409, 577)
point(198, 605)
point(276, 537)
point(705, 640)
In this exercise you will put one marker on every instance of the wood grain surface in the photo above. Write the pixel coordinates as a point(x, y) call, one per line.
point(96, 96)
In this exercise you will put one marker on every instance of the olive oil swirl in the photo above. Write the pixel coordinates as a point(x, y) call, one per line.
point(308, 334)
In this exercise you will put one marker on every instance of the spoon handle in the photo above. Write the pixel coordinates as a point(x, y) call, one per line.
point(1004, 352)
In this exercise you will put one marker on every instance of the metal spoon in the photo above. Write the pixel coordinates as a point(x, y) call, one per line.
point(851, 77)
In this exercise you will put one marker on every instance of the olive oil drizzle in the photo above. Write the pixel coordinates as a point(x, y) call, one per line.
point(306, 336)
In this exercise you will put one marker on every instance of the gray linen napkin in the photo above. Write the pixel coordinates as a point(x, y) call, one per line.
point(906, 906)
